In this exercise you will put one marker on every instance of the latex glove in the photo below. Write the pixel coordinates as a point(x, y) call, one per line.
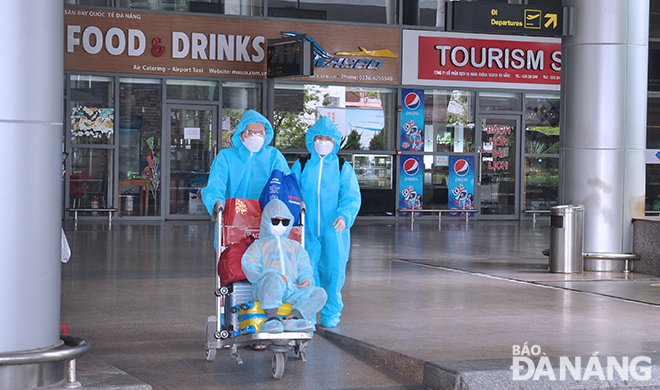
point(339, 224)
point(217, 209)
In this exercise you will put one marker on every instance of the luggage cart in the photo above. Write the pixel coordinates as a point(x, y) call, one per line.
point(223, 330)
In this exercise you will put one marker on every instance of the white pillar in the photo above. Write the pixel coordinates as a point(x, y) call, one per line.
point(603, 136)
point(31, 80)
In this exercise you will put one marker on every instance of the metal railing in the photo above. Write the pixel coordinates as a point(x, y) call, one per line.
point(70, 348)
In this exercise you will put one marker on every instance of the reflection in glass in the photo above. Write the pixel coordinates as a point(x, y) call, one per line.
point(365, 117)
point(237, 97)
point(91, 113)
point(542, 124)
point(448, 121)
point(541, 183)
point(192, 90)
point(373, 11)
point(653, 121)
point(90, 178)
point(373, 171)
point(436, 175)
point(190, 159)
point(228, 7)
point(139, 140)
point(653, 188)
point(91, 3)
point(498, 166)
point(499, 101)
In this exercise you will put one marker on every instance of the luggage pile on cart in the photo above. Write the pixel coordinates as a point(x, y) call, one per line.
point(238, 317)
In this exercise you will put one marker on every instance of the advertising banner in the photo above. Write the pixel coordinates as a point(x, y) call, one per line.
point(411, 182)
point(412, 119)
point(368, 123)
point(209, 46)
point(461, 183)
point(473, 60)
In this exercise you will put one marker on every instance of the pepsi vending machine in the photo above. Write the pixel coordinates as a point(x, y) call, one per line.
point(461, 183)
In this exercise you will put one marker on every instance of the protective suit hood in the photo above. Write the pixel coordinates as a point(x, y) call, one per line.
point(274, 208)
point(323, 126)
point(251, 116)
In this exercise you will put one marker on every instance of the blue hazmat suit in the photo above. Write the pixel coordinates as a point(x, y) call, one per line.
point(271, 256)
point(328, 193)
point(238, 173)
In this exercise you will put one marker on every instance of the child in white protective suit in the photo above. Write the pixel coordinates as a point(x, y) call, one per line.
point(280, 271)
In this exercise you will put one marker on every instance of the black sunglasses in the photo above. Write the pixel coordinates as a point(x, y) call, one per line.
point(276, 221)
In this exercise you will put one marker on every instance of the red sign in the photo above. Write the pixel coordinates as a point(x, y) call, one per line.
point(486, 60)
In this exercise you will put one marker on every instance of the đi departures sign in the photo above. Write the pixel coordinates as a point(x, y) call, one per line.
point(506, 18)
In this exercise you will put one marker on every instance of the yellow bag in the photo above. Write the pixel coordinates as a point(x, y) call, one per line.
point(250, 316)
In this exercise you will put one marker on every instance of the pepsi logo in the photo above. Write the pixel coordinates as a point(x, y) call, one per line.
point(412, 101)
point(411, 166)
point(461, 167)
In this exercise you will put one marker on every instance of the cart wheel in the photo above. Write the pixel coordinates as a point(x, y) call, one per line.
point(221, 291)
point(299, 353)
point(210, 354)
point(279, 361)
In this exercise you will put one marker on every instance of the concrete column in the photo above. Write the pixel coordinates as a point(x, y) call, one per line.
point(603, 120)
point(31, 76)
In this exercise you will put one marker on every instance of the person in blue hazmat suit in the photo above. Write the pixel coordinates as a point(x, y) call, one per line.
point(242, 170)
point(332, 197)
point(280, 271)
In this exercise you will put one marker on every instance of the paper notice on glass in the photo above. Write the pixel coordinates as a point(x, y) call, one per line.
point(192, 133)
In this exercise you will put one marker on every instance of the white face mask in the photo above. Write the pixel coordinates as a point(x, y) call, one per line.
point(253, 143)
point(278, 229)
point(323, 148)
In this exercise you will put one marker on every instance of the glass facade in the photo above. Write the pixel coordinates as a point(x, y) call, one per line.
point(91, 134)
point(139, 146)
point(365, 117)
point(653, 143)
point(449, 121)
point(117, 123)
point(541, 173)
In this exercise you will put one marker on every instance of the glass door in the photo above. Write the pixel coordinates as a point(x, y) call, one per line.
point(192, 134)
point(498, 174)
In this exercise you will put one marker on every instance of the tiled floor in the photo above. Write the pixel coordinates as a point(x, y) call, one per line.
point(140, 293)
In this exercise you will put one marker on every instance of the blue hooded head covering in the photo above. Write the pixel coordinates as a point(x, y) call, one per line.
point(323, 126)
point(274, 208)
point(251, 116)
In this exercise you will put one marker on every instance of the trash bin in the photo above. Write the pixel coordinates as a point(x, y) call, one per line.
point(566, 238)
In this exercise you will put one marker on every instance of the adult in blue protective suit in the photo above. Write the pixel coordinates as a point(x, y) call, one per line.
point(332, 197)
point(243, 170)
point(280, 271)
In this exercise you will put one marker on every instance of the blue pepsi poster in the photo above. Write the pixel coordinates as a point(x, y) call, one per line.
point(412, 119)
point(411, 182)
point(461, 183)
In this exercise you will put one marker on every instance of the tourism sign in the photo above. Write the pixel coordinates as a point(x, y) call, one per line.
point(492, 18)
point(480, 60)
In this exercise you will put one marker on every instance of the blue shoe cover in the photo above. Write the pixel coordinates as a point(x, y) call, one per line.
point(329, 322)
point(272, 326)
point(297, 326)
